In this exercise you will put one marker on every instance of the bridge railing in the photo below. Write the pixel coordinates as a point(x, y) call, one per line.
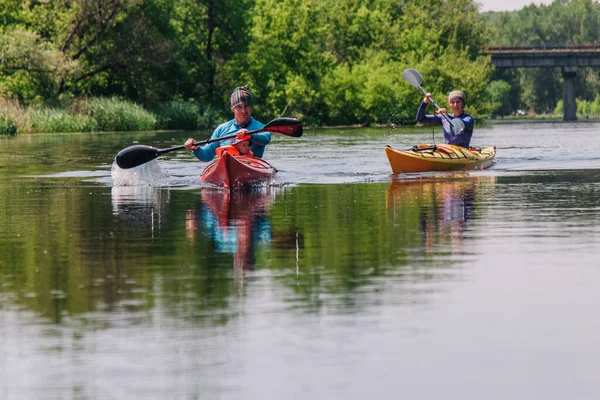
point(559, 48)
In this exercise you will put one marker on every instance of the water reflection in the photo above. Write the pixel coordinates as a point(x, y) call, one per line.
point(236, 223)
point(445, 205)
point(142, 208)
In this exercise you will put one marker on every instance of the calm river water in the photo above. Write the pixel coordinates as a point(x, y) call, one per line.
point(339, 281)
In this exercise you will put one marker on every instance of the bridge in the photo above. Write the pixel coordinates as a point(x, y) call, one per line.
point(568, 58)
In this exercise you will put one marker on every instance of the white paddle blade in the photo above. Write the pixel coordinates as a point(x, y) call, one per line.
point(457, 126)
point(413, 77)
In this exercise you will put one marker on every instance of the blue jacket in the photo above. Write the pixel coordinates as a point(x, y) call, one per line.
point(257, 143)
point(461, 139)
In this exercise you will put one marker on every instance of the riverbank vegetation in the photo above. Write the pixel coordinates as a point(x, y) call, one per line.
point(101, 114)
point(89, 65)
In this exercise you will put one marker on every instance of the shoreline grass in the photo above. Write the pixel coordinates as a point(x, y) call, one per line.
point(102, 114)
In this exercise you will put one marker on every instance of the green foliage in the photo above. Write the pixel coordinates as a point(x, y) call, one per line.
point(559, 108)
point(595, 106)
point(587, 108)
point(30, 67)
point(540, 88)
point(342, 62)
point(7, 126)
point(114, 114)
point(499, 94)
point(368, 93)
point(185, 115)
point(287, 57)
point(96, 114)
point(325, 61)
point(10, 12)
point(49, 120)
point(210, 37)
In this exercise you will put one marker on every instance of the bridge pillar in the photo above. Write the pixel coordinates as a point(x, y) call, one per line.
point(569, 104)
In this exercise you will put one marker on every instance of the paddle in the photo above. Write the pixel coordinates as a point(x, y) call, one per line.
point(413, 77)
point(136, 155)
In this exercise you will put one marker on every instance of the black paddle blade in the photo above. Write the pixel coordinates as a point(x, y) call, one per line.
point(285, 126)
point(133, 156)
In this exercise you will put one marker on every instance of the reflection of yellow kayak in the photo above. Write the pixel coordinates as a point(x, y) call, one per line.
point(440, 157)
point(438, 206)
point(429, 190)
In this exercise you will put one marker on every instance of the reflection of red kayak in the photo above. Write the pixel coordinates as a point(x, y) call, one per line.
point(441, 157)
point(230, 172)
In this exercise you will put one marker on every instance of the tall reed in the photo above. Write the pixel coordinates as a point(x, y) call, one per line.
point(102, 114)
point(114, 114)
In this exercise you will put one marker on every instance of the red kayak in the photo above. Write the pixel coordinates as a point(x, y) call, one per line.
point(231, 172)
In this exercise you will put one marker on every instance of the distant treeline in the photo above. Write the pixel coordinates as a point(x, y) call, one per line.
point(329, 62)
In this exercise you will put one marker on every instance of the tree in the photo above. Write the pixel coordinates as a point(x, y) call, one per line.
point(30, 68)
point(499, 94)
point(210, 35)
point(94, 46)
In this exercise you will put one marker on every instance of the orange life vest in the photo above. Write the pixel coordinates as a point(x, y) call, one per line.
point(231, 150)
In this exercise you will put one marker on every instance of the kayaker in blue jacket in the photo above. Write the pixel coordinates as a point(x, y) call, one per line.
point(456, 100)
point(241, 106)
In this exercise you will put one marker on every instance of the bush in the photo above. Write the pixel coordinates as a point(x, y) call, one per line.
point(113, 114)
point(558, 110)
point(584, 107)
point(185, 115)
point(7, 126)
point(498, 93)
point(51, 120)
point(102, 114)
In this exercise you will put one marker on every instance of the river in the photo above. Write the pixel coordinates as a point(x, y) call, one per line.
point(338, 281)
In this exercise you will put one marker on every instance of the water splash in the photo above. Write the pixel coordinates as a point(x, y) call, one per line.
point(148, 174)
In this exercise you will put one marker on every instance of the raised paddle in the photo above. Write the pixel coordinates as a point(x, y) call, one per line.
point(413, 77)
point(139, 154)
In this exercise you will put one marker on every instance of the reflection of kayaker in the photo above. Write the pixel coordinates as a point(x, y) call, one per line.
point(236, 222)
point(444, 206)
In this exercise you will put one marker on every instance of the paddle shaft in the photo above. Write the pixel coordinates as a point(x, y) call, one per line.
point(202, 143)
point(181, 147)
point(133, 156)
point(413, 77)
point(445, 115)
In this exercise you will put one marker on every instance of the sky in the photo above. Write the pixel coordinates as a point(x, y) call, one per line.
point(507, 5)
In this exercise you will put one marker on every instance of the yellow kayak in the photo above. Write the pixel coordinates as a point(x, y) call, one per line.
point(439, 157)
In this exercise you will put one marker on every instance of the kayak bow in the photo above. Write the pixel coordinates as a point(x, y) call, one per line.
point(231, 172)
